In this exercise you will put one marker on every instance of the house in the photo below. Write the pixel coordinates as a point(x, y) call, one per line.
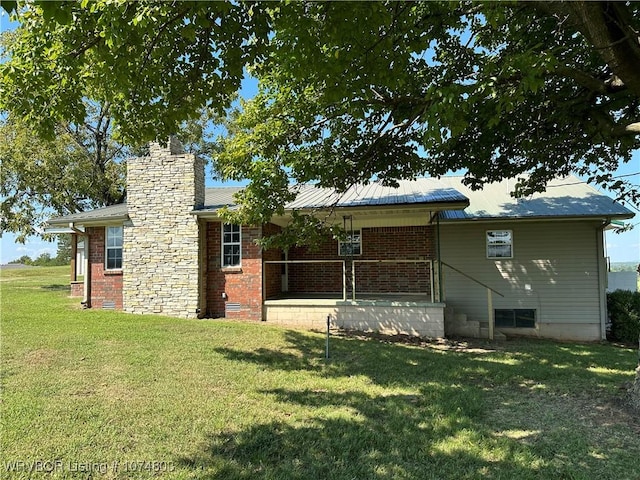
point(428, 258)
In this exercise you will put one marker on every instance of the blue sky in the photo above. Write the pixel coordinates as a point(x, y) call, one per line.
point(623, 247)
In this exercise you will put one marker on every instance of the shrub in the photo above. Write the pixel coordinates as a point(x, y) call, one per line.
point(624, 312)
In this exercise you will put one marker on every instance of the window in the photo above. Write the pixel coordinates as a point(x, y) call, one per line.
point(231, 245)
point(352, 246)
point(499, 244)
point(114, 248)
point(516, 318)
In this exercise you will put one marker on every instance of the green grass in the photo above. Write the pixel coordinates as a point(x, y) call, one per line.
point(109, 395)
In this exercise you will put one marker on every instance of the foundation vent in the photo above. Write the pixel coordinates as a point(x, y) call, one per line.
point(108, 305)
point(232, 307)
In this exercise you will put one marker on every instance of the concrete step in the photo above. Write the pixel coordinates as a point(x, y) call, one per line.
point(497, 335)
point(460, 318)
point(471, 330)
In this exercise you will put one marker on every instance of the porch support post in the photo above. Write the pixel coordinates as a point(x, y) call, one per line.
point(74, 253)
point(87, 271)
point(431, 277)
point(344, 281)
point(353, 281)
point(490, 311)
point(439, 269)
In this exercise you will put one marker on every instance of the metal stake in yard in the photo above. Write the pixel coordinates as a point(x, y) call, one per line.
point(328, 325)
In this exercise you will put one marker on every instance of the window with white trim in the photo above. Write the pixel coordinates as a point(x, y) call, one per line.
point(113, 245)
point(499, 244)
point(352, 245)
point(231, 245)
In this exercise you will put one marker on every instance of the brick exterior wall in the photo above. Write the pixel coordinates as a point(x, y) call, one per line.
point(242, 285)
point(161, 241)
point(106, 286)
point(380, 243)
point(77, 289)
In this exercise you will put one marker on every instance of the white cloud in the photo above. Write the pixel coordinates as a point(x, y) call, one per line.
point(34, 247)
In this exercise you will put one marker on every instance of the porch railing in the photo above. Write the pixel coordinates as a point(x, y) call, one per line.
point(426, 261)
point(288, 262)
point(354, 263)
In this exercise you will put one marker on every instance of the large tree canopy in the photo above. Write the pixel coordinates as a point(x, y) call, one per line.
point(80, 168)
point(348, 91)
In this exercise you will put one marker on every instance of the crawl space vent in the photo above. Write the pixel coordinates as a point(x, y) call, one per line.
point(108, 305)
point(232, 307)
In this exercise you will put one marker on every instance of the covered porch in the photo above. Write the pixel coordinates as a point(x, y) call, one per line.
point(388, 281)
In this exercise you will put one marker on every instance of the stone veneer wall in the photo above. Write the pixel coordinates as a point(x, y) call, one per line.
point(161, 252)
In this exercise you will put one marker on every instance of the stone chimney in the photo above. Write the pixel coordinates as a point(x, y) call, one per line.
point(161, 242)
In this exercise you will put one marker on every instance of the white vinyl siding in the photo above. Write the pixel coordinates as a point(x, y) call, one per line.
point(555, 272)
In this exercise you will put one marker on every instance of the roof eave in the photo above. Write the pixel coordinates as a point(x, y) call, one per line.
point(87, 222)
point(602, 217)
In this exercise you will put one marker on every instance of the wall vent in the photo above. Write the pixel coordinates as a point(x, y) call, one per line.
point(108, 305)
point(232, 307)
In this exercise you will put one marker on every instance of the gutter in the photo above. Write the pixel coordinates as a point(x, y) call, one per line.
point(609, 220)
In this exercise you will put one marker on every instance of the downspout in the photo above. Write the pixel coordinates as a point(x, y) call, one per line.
point(602, 278)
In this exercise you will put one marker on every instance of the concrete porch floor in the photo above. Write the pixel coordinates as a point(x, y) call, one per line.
point(389, 299)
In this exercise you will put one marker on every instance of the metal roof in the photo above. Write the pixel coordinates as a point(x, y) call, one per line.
point(110, 213)
point(409, 192)
point(218, 197)
point(564, 197)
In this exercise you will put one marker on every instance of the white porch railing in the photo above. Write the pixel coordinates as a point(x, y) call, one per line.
point(396, 261)
point(287, 262)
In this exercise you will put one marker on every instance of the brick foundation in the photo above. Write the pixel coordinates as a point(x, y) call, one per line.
point(77, 289)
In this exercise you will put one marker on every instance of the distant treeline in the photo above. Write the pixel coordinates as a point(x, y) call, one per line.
point(625, 267)
point(63, 255)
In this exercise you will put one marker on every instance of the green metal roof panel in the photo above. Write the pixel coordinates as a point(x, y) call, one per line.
point(374, 194)
point(564, 197)
point(218, 197)
point(112, 212)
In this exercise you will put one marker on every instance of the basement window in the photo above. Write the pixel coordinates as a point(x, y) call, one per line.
point(231, 245)
point(515, 318)
point(352, 245)
point(113, 248)
point(499, 244)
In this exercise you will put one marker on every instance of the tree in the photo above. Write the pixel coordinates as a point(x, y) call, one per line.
point(79, 166)
point(63, 255)
point(352, 92)
point(23, 260)
point(79, 169)
point(499, 90)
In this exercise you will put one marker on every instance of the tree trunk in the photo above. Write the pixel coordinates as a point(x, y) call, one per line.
point(607, 26)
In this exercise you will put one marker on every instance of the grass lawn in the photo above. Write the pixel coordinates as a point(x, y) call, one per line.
point(103, 395)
